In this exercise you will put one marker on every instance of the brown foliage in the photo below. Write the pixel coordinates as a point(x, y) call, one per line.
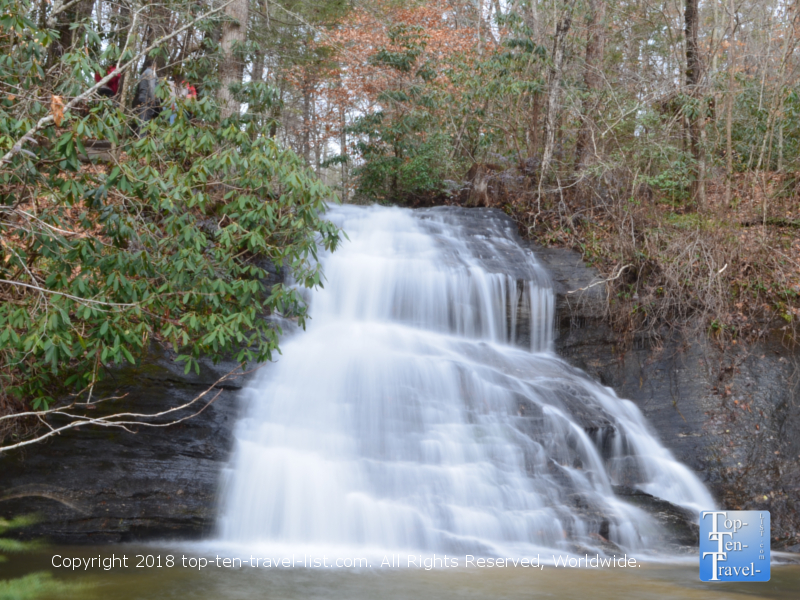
point(728, 269)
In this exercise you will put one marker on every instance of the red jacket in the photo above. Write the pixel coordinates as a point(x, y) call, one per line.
point(113, 83)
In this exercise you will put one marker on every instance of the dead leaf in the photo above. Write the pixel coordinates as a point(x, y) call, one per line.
point(57, 108)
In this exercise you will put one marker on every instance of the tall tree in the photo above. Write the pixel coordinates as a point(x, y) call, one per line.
point(554, 96)
point(697, 110)
point(234, 35)
point(729, 104)
point(592, 79)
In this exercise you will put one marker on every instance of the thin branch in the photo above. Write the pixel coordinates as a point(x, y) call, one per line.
point(76, 298)
point(120, 420)
point(35, 218)
point(58, 8)
point(583, 289)
point(50, 411)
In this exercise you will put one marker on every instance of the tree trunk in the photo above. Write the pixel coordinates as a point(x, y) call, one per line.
point(258, 67)
point(158, 21)
point(554, 96)
point(729, 110)
point(317, 139)
point(691, 19)
point(343, 144)
point(64, 20)
point(592, 79)
point(306, 144)
point(532, 137)
point(42, 17)
point(131, 36)
point(234, 34)
point(275, 114)
point(479, 26)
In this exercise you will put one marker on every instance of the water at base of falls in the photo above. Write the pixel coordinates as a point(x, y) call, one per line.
point(423, 409)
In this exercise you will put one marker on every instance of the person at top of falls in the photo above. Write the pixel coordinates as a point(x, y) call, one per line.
point(145, 101)
point(179, 90)
point(188, 91)
point(111, 88)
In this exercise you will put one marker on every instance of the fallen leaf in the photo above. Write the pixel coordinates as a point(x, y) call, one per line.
point(57, 108)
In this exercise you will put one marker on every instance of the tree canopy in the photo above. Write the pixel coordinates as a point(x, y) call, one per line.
point(168, 238)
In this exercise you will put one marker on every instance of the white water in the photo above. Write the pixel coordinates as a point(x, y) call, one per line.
point(424, 409)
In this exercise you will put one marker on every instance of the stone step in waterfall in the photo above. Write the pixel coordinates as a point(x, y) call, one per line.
point(424, 409)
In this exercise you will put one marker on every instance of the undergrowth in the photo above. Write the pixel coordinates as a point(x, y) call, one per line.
point(731, 270)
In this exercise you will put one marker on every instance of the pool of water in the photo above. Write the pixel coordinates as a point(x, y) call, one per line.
point(138, 581)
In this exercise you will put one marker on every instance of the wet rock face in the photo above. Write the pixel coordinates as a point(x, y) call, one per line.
point(108, 485)
point(732, 416)
point(681, 530)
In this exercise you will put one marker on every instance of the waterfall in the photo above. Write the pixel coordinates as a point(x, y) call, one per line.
point(424, 409)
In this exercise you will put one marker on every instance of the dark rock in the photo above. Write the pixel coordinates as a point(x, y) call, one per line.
point(731, 414)
point(680, 525)
point(109, 485)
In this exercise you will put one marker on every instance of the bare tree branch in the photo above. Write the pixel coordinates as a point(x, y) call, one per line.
point(591, 285)
point(123, 420)
point(76, 298)
point(58, 7)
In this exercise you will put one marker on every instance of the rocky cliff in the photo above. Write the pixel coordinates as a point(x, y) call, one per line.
point(111, 485)
point(732, 416)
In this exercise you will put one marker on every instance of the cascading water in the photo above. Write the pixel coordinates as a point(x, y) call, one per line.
point(424, 410)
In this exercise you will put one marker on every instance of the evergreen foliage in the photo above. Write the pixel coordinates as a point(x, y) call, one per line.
point(170, 242)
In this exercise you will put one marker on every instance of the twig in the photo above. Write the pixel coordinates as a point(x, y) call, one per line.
point(76, 298)
point(30, 216)
point(120, 420)
point(583, 289)
point(58, 7)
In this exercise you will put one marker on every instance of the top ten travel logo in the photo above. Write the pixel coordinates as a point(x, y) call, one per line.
point(734, 545)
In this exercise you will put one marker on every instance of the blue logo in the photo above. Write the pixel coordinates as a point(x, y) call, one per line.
point(734, 545)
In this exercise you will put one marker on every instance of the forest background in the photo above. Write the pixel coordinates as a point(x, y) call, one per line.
point(658, 138)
